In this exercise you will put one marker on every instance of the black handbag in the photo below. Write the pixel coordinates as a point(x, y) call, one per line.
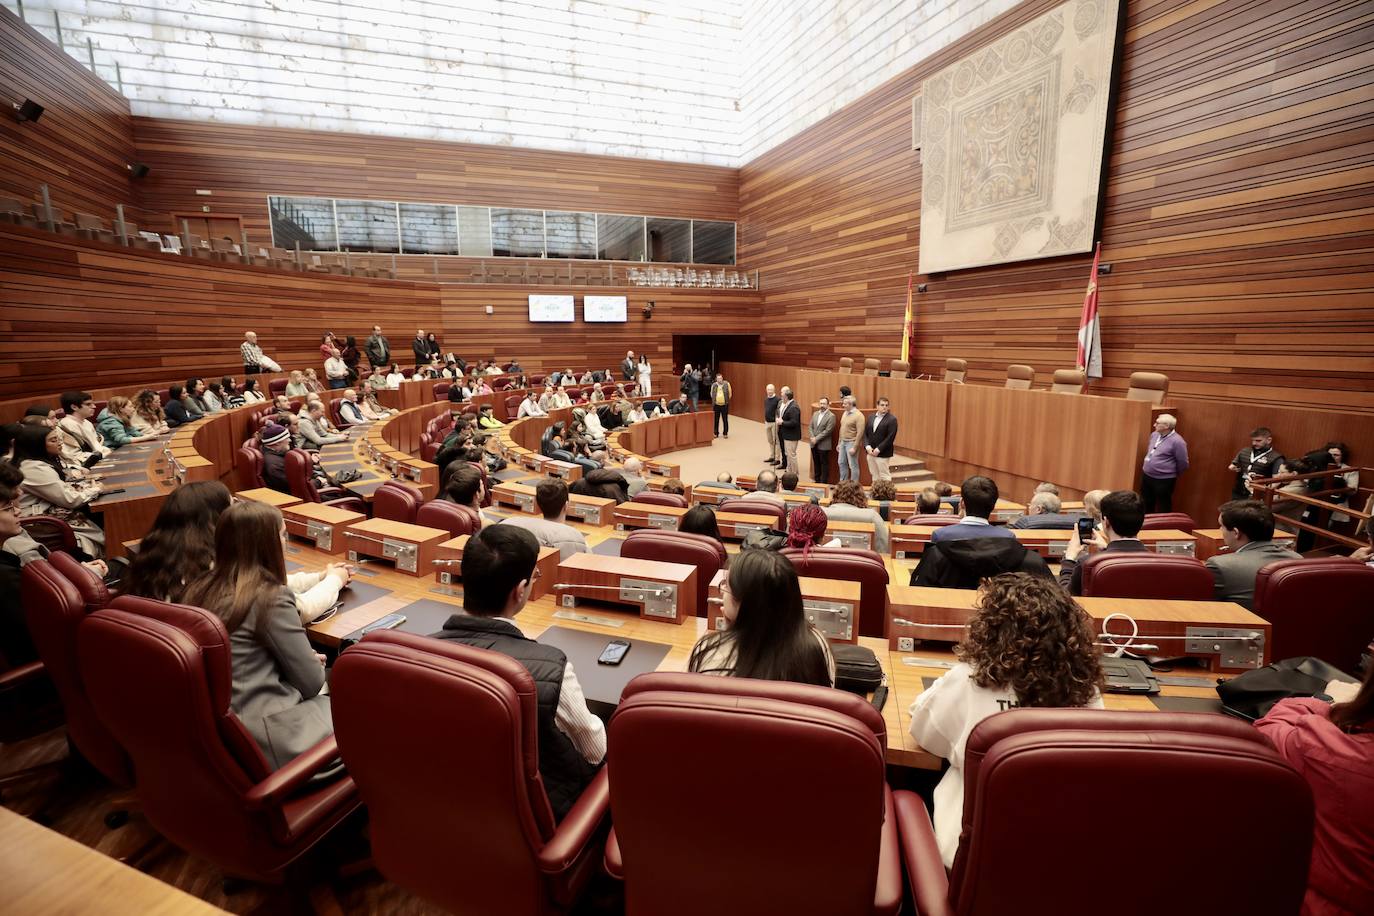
point(764, 539)
point(856, 668)
point(1251, 695)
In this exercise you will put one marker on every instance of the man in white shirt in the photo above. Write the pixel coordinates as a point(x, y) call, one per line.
point(546, 400)
point(349, 410)
point(530, 407)
point(81, 444)
point(499, 571)
point(551, 495)
point(766, 490)
point(336, 370)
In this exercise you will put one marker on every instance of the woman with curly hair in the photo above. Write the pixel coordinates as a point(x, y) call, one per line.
point(1028, 644)
point(849, 504)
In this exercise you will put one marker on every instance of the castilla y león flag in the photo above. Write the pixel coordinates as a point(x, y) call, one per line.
point(1089, 328)
point(906, 324)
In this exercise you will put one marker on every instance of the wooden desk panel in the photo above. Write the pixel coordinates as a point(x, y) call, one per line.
point(736, 526)
point(647, 515)
point(910, 540)
point(374, 537)
point(821, 600)
point(855, 535)
point(448, 566)
point(618, 580)
point(1210, 542)
point(269, 496)
point(321, 525)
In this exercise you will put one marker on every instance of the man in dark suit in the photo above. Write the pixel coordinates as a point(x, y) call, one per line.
point(789, 428)
point(880, 435)
point(819, 433)
point(420, 347)
point(628, 368)
point(1123, 513)
point(1247, 527)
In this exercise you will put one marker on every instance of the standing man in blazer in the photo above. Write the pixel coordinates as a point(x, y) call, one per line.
point(720, 405)
point(819, 433)
point(378, 350)
point(789, 428)
point(420, 347)
point(770, 425)
point(628, 367)
point(880, 435)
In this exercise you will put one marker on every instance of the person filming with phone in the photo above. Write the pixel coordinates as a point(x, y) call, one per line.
point(1123, 513)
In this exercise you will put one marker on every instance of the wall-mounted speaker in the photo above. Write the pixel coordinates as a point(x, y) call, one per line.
point(28, 110)
point(138, 169)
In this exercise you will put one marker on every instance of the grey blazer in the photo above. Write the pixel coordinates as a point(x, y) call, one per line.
point(277, 682)
point(1234, 573)
point(823, 425)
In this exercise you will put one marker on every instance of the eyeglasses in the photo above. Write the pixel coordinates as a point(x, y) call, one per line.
point(12, 507)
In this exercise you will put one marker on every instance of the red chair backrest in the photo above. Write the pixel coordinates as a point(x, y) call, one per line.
point(160, 678)
point(336, 412)
point(1029, 766)
point(776, 515)
point(88, 584)
point(440, 390)
point(54, 608)
point(277, 386)
point(1147, 575)
point(1321, 607)
point(513, 407)
point(52, 532)
point(298, 476)
point(1169, 521)
point(164, 395)
point(386, 690)
point(934, 521)
point(668, 724)
point(430, 445)
point(851, 565)
point(659, 498)
point(250, 467)
point(396, 502)
point(453, 518)
point(536, 380)
point(705, 553)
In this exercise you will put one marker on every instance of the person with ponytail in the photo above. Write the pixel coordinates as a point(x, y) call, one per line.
point(806, 529)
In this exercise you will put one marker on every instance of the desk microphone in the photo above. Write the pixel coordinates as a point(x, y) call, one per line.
point(449, 562)
point(652, 592)
point(939, 626)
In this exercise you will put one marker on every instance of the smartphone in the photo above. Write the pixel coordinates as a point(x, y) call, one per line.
point(389, 622)
point(614, 653)
point(1085, 529)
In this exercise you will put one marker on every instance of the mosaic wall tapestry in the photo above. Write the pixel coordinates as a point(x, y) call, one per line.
point(1011, 142)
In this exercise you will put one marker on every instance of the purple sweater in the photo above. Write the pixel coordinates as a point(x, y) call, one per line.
point(1166, 457)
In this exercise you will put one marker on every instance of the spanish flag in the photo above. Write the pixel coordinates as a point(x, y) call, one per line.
point(1089, 328)
point(906, 324)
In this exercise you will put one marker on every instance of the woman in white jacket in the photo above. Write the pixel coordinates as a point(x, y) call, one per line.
point(49, 491)
point(645, 377)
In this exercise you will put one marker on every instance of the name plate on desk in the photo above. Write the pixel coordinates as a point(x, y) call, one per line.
point(411, 547)
point(647, 515)
point(320, 524)
point(1176, 548)
point(590, 509)
point(661, 591)
point(854, 540)
point(518, 495)
point(1175, 543)
point(833, 618)
point(564, 470)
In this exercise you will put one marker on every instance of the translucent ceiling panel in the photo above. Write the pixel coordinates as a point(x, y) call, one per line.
point(570, 235)
point(429, 229)
point(621, 238)
point(517, 233)
point(367, 225)
point(474, 232)
point(669, 239)
point(307, 220)
point(712, 242)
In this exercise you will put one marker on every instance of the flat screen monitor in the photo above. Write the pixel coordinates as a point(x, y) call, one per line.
point(603, 308)
point(551, 308)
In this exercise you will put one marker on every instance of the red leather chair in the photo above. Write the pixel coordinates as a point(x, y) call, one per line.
point(1147, 575)
point(933, 521)
point(1020, 853)
point(250, 468)
point(54, 607)
point(658, 498)
point(302, 485)
point(536, 380)
point(336, 413)
point(456, 519)
point(776, 515)
point(429, 445)
point(1169, 521)
point(159, 677)
point(513, 407)
point(1321, 607)
point(276, 386)
point(165, 394)
point(705, 553)
point(396, 502)
point(850, 565)
point(52, 532)
point(669, 726)
point(386, 690)
point(440, 390)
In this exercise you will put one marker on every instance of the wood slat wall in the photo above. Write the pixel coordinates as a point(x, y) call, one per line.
point(1239, 219)
point(84, 314)
point(84, 141)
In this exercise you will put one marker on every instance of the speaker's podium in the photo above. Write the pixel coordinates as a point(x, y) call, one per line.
point(660, 591)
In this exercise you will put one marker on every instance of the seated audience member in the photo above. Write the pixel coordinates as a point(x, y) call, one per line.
point(312, 383)
point(252, 394)
point(336, 371)
point(176, 411)
point(586, 378)
point(551, 495)
point(597, 395)
point(1047, 487)
point(148, 416)
point(458, 392)
point(700, 519)
point(848, 504)
point(295, 385)
point(766, 490)
point(788, 481)
point(947, 497)
point(278, 678)
point(603, 483)
point(486, 419)
point(498, 574)
point(180, 547)
point(1123, 514)
point(1247, 528)
point(977, 499)
point(16, 646)
point(350, 411)
point(1092, 503)
point(395, 377)
point(681, 405)
point(1345, 476)
point(806, 529)
point(767, 636)
point(633, 472)
point(115, 424)
point(372, 408)
point(275, 440)
point(884, 493)
point(1365, 554)
point(560, 398)
point(50, 490)
point(40, 414)
point(965, 562)
point(530, 407)
point(1332, 745)
point(214, 397)
point(462, 484)
point(546, 398)
point(928, 502)
point(194, 398)
point(674, 485)
point(1028, 644)
point(492, 456)
point(81, 445)
point(315, 428)
point(723, 481)
point(282, 404)
point(1043, 513)
point(482, 386)
point(637, 415)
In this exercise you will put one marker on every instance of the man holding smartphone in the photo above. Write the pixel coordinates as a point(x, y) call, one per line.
point(1123, 514)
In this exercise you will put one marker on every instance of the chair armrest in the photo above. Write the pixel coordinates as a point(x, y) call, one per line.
point(327, 493)
point(351, 503)
point(578, 828)
point(887, 895)
point(615, 865)
point(14, 677)
point(929, 882)
point(275, 788)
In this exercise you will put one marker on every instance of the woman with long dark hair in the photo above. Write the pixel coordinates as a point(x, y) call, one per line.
point(50, 490)
point(768, 637)
point(700, 519)
point(277, 676)
point(181, 545)
point(1332, 746)
point(1028, 644)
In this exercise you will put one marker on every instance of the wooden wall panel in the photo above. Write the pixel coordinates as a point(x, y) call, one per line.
point(84, 141)
point(1239, 220)
point(83, 314)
